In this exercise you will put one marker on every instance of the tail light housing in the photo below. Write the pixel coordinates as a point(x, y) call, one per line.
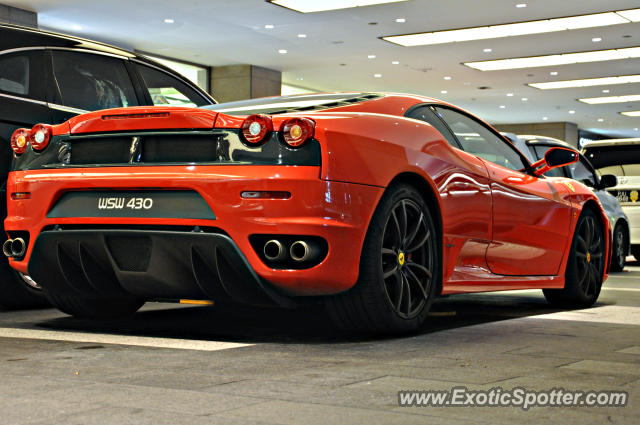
point(19, 140)
point(296, 131)
point(256, 129)
point(40, 136)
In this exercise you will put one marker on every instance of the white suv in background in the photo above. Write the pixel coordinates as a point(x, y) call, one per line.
point(621, 157)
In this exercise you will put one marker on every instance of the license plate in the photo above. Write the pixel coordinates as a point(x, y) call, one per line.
point(150, 204)
point(627, 196)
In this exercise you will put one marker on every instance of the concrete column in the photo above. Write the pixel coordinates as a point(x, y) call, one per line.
point(238, 82)
point(566, 131)
point(13, 15)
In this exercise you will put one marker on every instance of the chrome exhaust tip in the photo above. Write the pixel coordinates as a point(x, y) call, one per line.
point(18, 247)
point(274, 250)
point(6, 248)
point(301, 251)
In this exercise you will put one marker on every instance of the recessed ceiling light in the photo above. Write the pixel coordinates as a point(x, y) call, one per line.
point(306, 6)
point(589, 82)
point(545, 118)
point(502, 106)
point(487, 50)
point(371, 56)
point(572, 112)
point(521, 5)
point(558, 59)
point(302, 35)
point(447, 78)
point(512, 30)
point(631, 114)
point(635, 129)
point(524, 99)
point(443, 91)
point(395, 63)
point(553, 73)
point(509, 94)
point(611, 99)
point(169, 21)
point(76, 27)
point(282, 51)
point(401, 20)
point(377, 75)
point(300, 79)
point(596, 39)
point(269, 27)
point(606, 91)
point(600, 119)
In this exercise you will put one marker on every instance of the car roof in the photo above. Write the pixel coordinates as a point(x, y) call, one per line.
point(533, 140)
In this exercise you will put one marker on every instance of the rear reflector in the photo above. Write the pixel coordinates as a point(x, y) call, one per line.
point(266, 194)
point(20, 195)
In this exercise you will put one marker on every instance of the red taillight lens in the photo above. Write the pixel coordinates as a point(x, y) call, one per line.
point(19, 140)
point(296, 131)
point(256, 128)
point(40, 136)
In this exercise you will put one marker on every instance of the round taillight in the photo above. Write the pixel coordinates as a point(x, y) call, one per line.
point(40, 136)
point(296, 131)
point(19, 140)
point(256, 128)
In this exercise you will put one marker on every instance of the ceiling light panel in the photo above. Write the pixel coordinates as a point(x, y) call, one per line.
point(633, 15)
point(589, 82)
point(512, 30)
point(611, 99)
point(310, 6)
point(631, 113)
point(553, 60)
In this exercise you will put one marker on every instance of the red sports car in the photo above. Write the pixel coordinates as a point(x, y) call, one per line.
point(374, 203)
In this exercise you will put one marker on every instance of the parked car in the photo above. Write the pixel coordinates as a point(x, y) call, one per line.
point(374, 203)
point(621, 157)
point(49, 78)
point(537, 146)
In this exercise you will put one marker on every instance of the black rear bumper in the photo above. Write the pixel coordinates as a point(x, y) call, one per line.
point(151, 264)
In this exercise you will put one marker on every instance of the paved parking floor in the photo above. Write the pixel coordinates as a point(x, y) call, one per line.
point(172, 364)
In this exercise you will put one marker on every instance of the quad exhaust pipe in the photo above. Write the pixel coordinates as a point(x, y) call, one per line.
point(299, 251)
point(14, 247)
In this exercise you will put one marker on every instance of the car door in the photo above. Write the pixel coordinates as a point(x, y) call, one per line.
point(86, 81)
point(530, 217)
point(466, 202)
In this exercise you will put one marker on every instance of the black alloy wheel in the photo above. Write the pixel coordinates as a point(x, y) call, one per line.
point(399, 268)
point(619, 249)
point(407, 259)
point(585, 266)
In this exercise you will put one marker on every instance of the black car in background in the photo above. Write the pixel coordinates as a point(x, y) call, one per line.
point(48, 78)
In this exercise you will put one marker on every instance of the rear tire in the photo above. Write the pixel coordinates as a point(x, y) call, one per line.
point(399, 268)
point(619, 248)
point(585, 266)
point(94, 308)
point(14, 293)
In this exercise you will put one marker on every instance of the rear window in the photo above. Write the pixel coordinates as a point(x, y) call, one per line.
point(284, 104)
point(620, 160)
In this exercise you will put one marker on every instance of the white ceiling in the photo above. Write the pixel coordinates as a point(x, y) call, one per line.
point(333, 56)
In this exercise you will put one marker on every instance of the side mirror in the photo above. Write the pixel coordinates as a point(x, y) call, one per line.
point(608, 180)
point(555, 157)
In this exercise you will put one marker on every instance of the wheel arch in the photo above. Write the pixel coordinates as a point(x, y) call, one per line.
point(592, 204)
point(429, 193)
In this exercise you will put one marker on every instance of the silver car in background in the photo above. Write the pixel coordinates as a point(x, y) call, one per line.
point(602, 182)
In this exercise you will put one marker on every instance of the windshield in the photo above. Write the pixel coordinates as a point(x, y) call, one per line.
point(284, 104)
point(622, 160)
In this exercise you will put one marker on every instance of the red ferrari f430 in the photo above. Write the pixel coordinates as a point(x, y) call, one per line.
point(374, 203)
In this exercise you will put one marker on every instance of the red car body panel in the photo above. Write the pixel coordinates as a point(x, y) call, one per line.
point(500, 229)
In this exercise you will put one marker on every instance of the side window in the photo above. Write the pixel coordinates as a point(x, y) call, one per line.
point(579, 171)
point(167, 90)
point(21, 74)
point(424, 113)
point(478, 140)
point(555, 172)
point(91, 82)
